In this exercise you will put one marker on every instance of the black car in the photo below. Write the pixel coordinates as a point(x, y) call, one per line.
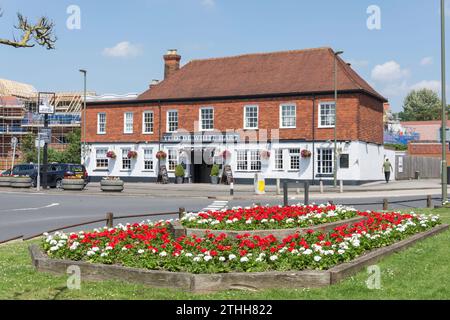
point(55, 172)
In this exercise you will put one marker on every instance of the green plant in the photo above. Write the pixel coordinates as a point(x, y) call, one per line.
point(396, 146)
point(179, 171)
point(215, 170)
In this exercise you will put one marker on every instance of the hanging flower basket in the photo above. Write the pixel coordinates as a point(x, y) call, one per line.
point(306, 153)
point(264, 154)
point(226, 154)
point(111, 155)
point(161, 155)
point(132, 155)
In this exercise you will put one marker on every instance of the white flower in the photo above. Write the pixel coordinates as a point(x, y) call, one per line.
point(207, 258)
point(340, 251)
point(222, 259)
point(188, 254)
point(163, 254)
point(231, 257)
point(307, 251)
point(317, 258)
point(264, 220)
point(141, 251)
point(249, 221)
point(108, 248)
point(124, 249)
point(273, 258)
point(90, 253)
point(103, 254)
point(95, 249)
point(54, 248)
point(244, 259)
point(197, 259)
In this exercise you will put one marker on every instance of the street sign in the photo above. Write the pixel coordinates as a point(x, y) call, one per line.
point(14, 141)
point(45, 134)
point(44, 103)
point(37, 142)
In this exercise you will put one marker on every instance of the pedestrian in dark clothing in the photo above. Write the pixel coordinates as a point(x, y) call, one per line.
point(387, 167)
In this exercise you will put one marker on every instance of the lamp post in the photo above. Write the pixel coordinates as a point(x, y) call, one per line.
point(83, 152)
point(336, 54)
point(444, 108)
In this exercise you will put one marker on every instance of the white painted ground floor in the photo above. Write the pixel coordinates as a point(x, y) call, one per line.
point(358, 162)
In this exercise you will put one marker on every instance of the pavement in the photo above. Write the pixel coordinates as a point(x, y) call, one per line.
point(246, 192)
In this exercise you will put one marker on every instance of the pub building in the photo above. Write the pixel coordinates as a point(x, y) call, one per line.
point(266, 113)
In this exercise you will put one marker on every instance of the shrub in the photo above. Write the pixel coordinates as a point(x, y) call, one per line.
point(215, 170)
point(179, 171)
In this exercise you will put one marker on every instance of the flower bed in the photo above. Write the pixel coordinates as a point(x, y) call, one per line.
point(151, 246)
point(265, 218)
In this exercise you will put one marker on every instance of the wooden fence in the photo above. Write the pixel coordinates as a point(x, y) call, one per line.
point(411, 167)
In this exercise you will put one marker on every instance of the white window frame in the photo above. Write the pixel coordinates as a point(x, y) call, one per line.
point(277, 153)
point(168, 122)
point(201, 119)
point(322, 104)
point(170, 160)
point(122, 158)
point(252, 156)
point(99, 123)
point(292, 155)
point(126, 123)
point(319, 159)
point(144, 123)
point(257, 117)
point(105, 158)
point(152, 160)
point(295, 115)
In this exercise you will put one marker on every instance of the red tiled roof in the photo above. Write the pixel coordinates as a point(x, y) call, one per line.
point(288, 72)
point(9, 101)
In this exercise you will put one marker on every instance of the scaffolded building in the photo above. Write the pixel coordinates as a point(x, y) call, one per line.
point(19, 117)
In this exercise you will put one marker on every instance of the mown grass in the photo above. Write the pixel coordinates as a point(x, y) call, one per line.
point(421, 272)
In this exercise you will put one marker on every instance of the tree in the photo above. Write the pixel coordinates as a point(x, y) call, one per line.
point(421, 105)
point(41, 32)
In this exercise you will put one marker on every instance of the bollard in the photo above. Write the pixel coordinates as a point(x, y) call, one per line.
point(321, 186)
point(109, 220)
point(278, 187)
point(385, 204)
point(231, 189)
point(341, 186)
point(181, 213)
point(285, 194)
point(429, 202)
point(306, 190)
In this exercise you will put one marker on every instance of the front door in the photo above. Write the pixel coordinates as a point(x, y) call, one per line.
point(201, 165)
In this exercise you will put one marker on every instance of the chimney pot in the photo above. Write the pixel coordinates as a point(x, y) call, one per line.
point(171, 62)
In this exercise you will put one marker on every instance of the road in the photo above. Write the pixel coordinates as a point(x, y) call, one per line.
point(25, 214)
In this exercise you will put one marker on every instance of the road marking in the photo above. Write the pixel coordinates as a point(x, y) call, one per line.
point(216, 206)
point(32, 209)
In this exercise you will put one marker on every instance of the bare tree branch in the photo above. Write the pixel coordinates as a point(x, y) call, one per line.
point(41, 33)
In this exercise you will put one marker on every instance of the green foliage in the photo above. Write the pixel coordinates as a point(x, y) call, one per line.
point(421, 105)
point(215, 170)
point(179, 171)
point(72, 153)
point(396, 146)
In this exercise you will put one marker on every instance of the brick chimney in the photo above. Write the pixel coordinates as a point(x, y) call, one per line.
point(171, 62)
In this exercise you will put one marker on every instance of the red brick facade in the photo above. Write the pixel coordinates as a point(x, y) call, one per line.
point(359, 118)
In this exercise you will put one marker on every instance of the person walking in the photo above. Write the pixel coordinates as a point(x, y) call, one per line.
point(387, 167)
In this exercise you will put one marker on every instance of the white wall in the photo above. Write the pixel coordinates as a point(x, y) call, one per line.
point(365, 160)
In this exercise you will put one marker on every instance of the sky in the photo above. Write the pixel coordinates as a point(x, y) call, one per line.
point(121, 43)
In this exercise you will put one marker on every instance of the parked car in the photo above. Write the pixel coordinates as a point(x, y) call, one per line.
point(55, 172)
point(5, 173)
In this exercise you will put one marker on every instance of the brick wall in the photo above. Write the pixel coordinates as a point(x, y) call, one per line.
point(358, 118)
point(433, 150)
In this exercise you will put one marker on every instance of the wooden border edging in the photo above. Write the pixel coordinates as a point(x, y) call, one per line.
point(224, 281)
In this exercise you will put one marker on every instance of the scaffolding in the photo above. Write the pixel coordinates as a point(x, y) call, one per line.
point(19, 117)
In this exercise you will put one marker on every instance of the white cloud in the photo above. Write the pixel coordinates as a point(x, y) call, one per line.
point(390, 71)
point(427, 84)
point(426, 61)
point(123, 49)
point(209, 3)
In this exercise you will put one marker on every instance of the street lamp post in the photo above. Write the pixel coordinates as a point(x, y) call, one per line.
point(336, 54)
point(444, 107)
point(83, 151)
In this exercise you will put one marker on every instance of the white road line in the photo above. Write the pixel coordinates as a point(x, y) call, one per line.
point(32, 209)
point(216, 206)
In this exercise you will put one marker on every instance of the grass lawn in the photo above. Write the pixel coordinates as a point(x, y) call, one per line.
point(420, 272)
